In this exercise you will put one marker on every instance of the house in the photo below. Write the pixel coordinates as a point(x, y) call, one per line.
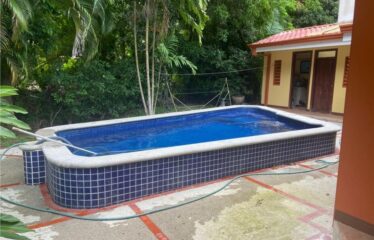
point(308, 67)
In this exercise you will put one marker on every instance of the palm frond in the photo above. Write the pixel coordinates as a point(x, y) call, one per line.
point(15, 15)
point(21, 10)
point(7, 111)
point(98, 8)
point(18, 66)
point(193, 14)
point(83, 23)
point(167, 54)
point(86, 16)
point(108, 24)
point(4, 37)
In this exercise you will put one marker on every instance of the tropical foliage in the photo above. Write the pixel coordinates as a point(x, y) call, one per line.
point(160, 48)
point(81, 60)
point(315, 12)
point(11, 227)
point(13, 21)
point(7, 111)
point(232, 25)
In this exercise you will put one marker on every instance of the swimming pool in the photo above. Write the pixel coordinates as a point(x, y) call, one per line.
point(147, 155)
point(180, 130)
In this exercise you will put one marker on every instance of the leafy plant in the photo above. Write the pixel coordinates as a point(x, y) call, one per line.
point(231, 27)
point(7, 112)
point(39, 38)
point(167, 54)
point(10, 227)
point(13, 21)
point(159, 18)
point(315, 12)
point(94, 90)
point(53, 28)
point(239, 88)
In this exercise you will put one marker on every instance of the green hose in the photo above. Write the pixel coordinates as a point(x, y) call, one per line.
point(327, 164)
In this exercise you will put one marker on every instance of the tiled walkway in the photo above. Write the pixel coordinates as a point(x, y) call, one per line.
point(321, 116)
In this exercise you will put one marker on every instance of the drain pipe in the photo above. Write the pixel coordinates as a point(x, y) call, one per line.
point(53, 140)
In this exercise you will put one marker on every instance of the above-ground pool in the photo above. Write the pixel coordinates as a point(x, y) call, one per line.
point(147, 155)
point(180, 130)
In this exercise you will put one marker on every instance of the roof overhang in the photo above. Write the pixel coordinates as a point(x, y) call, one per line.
point(344, 41)
point(341, 38)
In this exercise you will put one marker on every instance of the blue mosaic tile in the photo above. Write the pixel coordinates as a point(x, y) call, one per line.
point(99, 187)
point(34, 167)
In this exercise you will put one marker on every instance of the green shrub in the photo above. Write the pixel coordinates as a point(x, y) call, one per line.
point(78, 92)
point(96, 90)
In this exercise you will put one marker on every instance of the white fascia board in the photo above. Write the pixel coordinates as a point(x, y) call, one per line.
point(347, 37)
point(316, 44)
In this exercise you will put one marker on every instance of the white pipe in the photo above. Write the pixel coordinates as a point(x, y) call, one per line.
point(52, 140)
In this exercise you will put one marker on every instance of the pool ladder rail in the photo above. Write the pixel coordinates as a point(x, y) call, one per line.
point(54, 141)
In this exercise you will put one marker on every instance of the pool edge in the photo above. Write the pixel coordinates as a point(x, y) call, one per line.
point(61, 155)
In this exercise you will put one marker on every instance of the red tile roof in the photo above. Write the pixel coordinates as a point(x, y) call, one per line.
point(307, 34)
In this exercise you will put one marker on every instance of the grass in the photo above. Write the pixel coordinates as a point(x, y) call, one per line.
point(7, 142)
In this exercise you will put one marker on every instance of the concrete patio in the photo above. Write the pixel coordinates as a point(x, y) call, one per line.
point(261, 207)
point(338, 119)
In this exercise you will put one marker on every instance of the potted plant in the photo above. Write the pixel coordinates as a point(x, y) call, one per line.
point(238, 91)
point(238, 99)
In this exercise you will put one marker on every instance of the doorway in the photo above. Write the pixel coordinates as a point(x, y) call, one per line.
point(323, 83)
point(301, 63)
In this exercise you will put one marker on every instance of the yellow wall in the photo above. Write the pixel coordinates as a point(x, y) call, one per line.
point(338, 99)
point(279, 95)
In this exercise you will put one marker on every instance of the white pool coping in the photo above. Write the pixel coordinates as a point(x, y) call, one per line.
point(63, 157)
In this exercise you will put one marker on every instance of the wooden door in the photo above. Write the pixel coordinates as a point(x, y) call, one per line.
point(323, 84)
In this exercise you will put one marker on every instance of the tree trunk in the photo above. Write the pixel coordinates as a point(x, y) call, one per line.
point(153, 55)
point(137, 63)
point(147, 13)
point(158, 85)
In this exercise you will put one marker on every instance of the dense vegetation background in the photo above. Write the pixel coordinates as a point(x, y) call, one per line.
point(74, 60)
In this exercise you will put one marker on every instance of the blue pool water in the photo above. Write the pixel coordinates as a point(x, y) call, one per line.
point(180, 130)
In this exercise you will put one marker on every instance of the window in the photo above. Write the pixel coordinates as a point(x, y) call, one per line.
point(346, 71)
point(277, 72)
point(327, 54)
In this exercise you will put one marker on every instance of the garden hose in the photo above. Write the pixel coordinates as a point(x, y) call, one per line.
point(47, 210)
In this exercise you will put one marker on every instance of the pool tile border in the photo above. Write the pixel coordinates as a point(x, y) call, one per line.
point(84, 188)
point(34, 167)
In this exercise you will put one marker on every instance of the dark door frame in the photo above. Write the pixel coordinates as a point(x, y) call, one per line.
point(292, 77)
point(314, 76)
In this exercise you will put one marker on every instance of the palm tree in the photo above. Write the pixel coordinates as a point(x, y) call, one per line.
point(14, 18)
point(15, 13)
point(158, 48)
point(90, 18)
